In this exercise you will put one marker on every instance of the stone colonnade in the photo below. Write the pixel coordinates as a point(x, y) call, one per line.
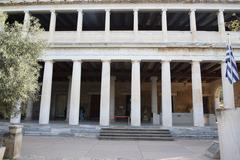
point(107, 89)
point(192, 18)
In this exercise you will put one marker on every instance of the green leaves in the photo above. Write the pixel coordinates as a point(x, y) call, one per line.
point(19, 69)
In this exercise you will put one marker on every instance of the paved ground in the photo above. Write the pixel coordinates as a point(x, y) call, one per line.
point(74, 148)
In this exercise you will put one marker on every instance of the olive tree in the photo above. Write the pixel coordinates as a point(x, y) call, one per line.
point(19, 68)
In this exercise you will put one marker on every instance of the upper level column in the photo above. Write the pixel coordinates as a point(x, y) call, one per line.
point(75, 93)
point(26, 22)
point(46, 93)
point(135, 24)
point(166, 95)
point(105, 94)
point(52, 24)
point(197, 99)
point(79, 24)
point(193, 23)
point(221, 24)
point(227, 87)
point(107, 24)
point(164, 24)
point(136, 94)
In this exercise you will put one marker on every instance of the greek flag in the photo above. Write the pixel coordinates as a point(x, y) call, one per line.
point(231, 68)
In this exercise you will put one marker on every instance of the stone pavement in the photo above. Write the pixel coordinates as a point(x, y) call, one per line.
point(75, 148)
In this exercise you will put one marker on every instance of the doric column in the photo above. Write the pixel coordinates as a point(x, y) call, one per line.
point(136, 94)
point(166, 95)
point(52, 24)
point(228, 91)
point(29, 110)
point(16, 116)
point(105, 94)
point(197, 99)
point(46, 93)
point(69, 97)
point(75, 94)
point(193, 24)
point(135, 24)
point(154, 97)
point(26, 21)
point(79, 24)
point(221, 24)
point(112, 99)
point(164, 24)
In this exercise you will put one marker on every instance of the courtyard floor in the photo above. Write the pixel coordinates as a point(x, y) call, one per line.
point(75, 148)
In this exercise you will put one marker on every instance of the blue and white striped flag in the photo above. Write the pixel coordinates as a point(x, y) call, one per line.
point(231, 68)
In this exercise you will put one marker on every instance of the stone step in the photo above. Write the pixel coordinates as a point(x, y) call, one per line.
point(133, 132)
point(135, 135)
point(135, 129)
point(135, 138)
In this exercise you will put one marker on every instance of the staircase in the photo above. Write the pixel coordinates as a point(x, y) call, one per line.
point(135, 134)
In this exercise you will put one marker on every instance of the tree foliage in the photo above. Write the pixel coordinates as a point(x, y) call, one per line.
point(234, 24)
point(19, 69)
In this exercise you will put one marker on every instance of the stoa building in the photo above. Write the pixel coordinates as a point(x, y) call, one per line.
point(148, 62)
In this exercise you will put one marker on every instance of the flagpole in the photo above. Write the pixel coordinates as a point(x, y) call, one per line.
point(229, 45)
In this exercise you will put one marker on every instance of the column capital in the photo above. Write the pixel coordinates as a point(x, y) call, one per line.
point(166, 61)
point(221, 10)
point(49, 61)
point(107, 10)
point(26, 11)
point(79, 10)
point(193, 10)
point(53, 11)
point(154, 78)
point(135, 9)
point(164, 9)
point(136, 60)
point(75, 60)
point(106, 60)
point(195, 61)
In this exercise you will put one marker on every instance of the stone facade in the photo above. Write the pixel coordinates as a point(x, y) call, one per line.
point(188, 65)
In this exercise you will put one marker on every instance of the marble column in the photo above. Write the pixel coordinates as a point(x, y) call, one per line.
point(52, 25)
point(228, 91)
point(29, 110)
point(193, 25)
point(75, 93)
point(197, 98)
point(221, 24)
point(105, 94)
point(79, 24)
point(26, 21)
point(166, 95)
point(107, 24)
point(136, 94)
point(107, 20)
point(164, 24)
point(16, 115)
point(69, 97)
point(154, 104)
point(112, 99)
point(135, 24)
point(46, 93)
